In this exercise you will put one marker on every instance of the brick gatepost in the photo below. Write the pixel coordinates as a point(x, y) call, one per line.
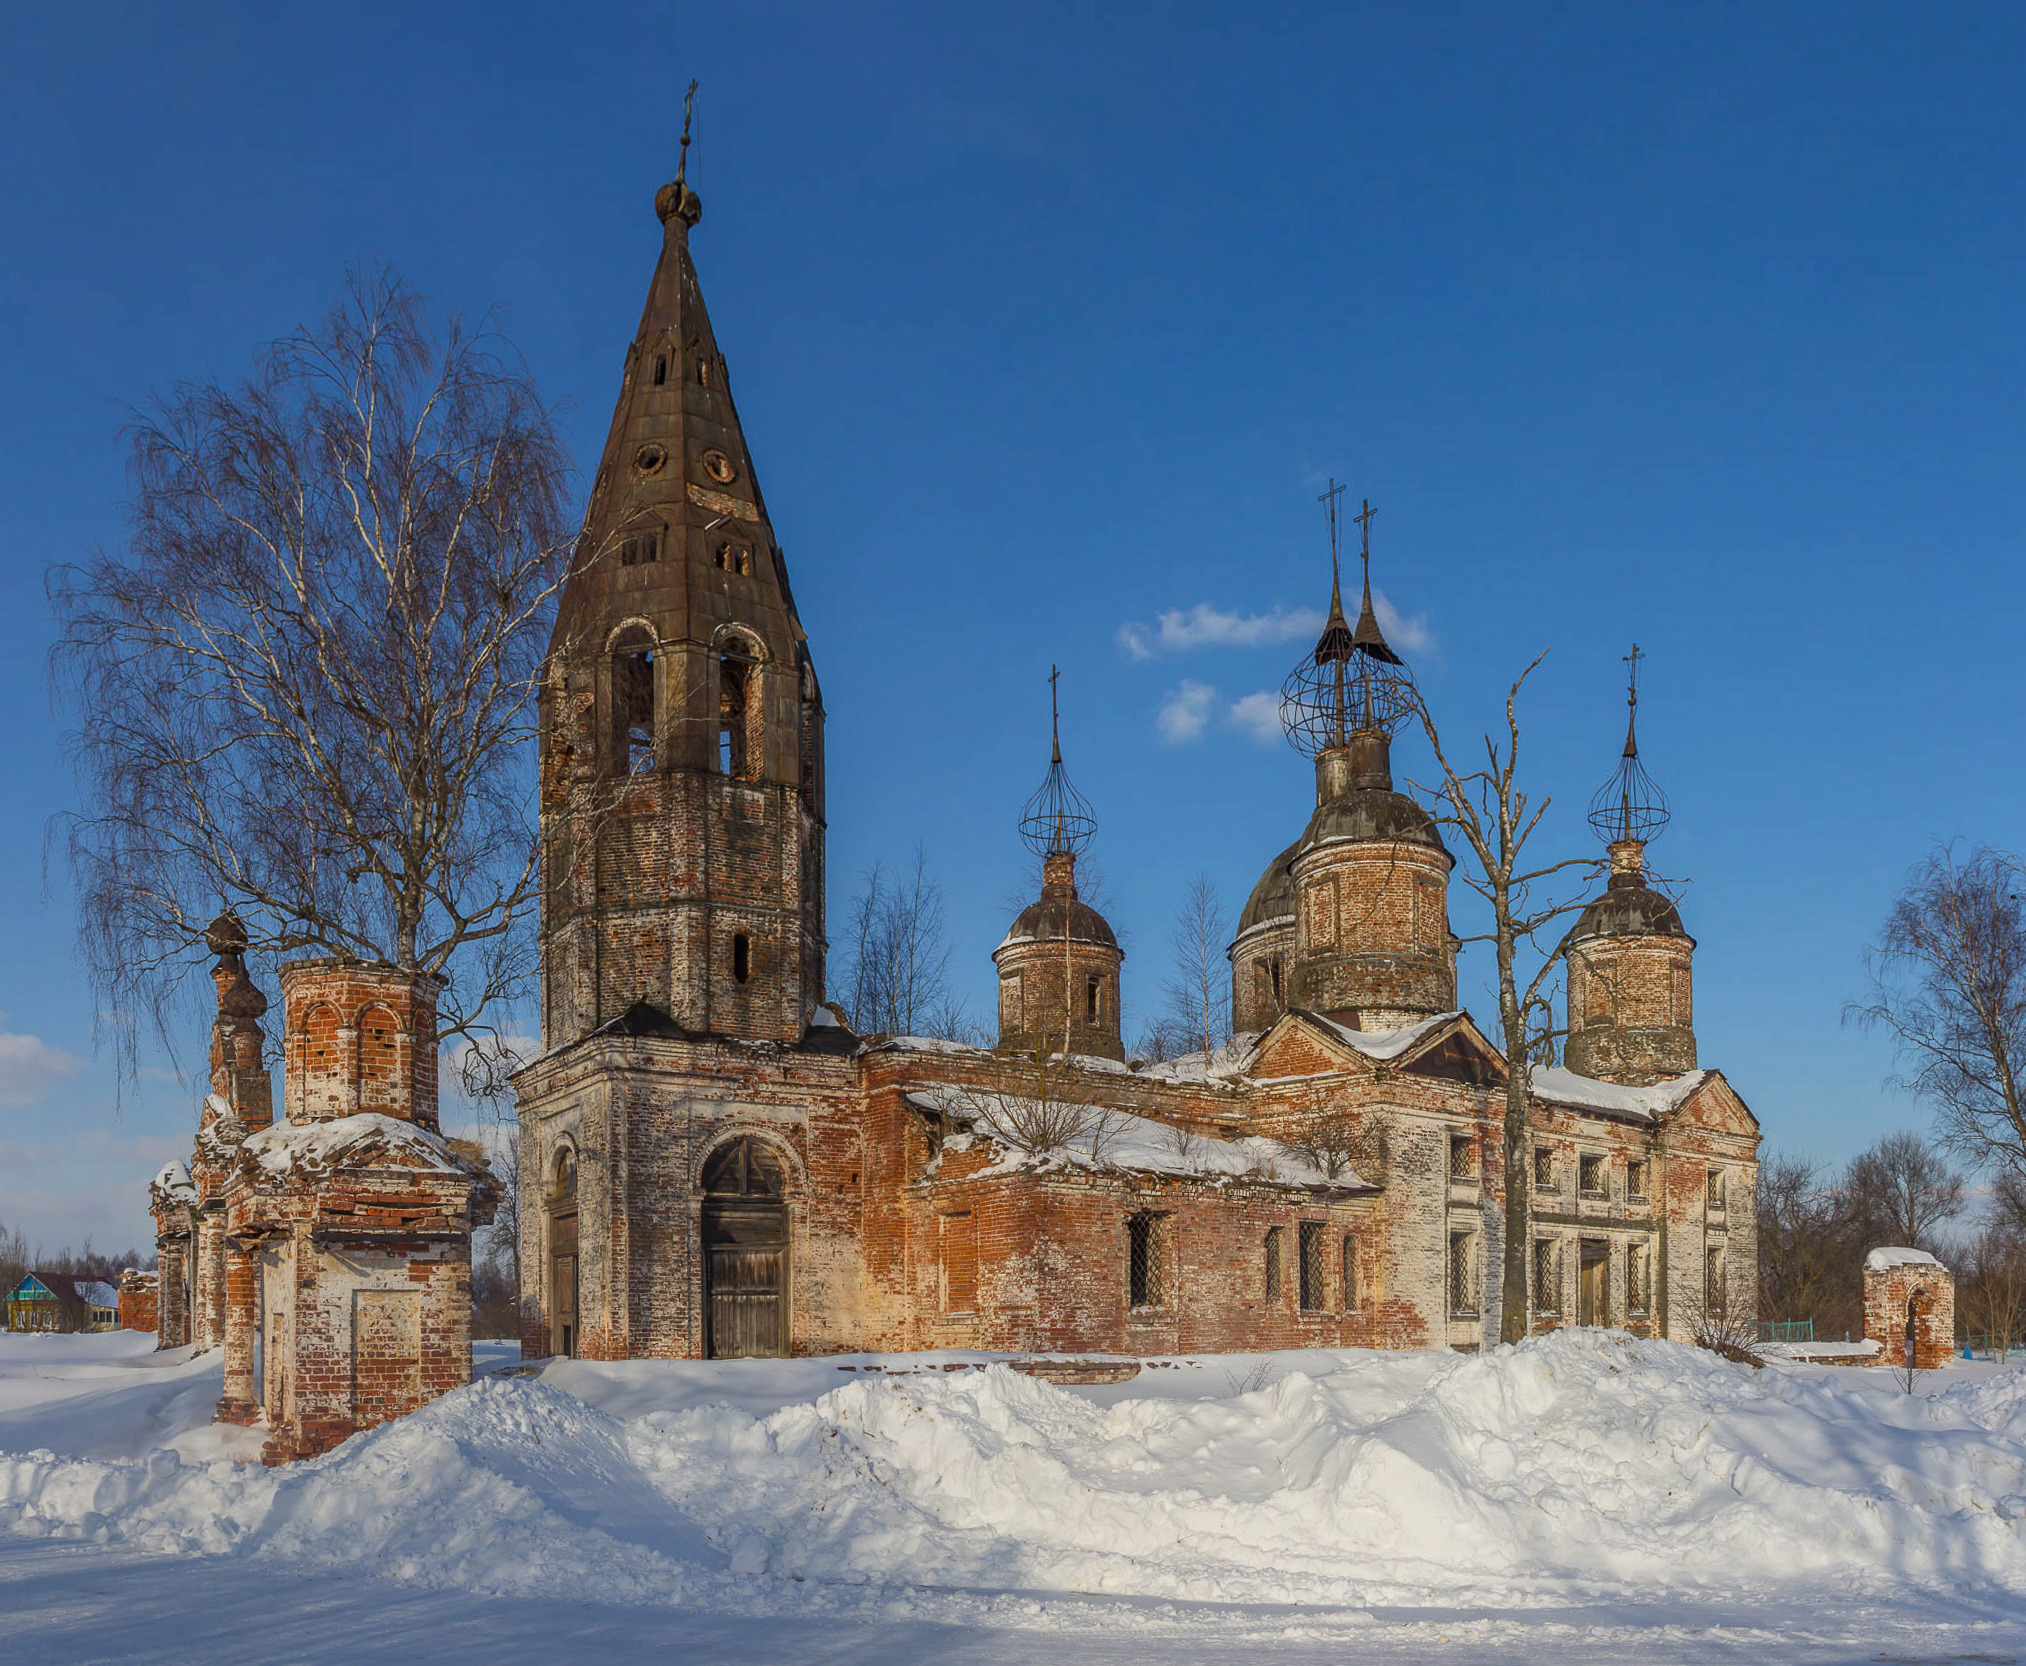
point(1909, 1286)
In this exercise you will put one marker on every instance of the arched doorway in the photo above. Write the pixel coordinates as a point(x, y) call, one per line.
point(563, 1328)
point(745, 1253)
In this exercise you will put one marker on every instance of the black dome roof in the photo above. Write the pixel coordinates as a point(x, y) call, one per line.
point(1370, 813)
point(1053, 918)
point(1630, 909)
point(1273, 897)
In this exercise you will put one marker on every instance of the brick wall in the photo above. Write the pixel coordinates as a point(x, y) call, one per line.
point(1372, 928)
point(1926, 1291)
point(359, 1038)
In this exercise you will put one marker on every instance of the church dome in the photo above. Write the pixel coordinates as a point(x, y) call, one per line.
point(1369, 813)
point(1273, 897)
point(1050, 919)
point(1630, 908)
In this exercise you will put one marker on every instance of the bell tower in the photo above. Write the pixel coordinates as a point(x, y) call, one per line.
point(681, 722)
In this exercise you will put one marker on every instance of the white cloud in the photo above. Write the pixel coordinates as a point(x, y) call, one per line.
point(1410, 633)
point(1186, 712)
point(1182, 630)
point(1258, 715)
point(30, 1067)
point(1203, 626)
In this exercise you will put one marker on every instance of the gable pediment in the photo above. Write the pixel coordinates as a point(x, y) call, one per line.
point(1716, 1105)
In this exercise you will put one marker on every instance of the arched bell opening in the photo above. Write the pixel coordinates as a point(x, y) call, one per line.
point(745, 1252)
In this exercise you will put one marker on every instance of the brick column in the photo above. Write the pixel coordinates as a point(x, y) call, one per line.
point(207, 1245)
point(241, 1401)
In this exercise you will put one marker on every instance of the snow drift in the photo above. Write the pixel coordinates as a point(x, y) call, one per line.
point(1570, 1467)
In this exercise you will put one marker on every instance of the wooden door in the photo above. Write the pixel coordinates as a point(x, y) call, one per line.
point(1593, 1290)
point(745, 1245)
point(564, 1336)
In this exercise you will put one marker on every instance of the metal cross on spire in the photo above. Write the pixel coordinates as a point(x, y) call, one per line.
point(1630, 806)
point(1328, 500)
point(688, 115)
point(1057, 820)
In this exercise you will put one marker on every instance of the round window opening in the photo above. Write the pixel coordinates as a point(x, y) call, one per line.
point(720, 467)
point(649, 459)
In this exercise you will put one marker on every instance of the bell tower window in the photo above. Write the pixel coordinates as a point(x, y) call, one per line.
point(742, 957)
point(738, 725)
point(633, 703)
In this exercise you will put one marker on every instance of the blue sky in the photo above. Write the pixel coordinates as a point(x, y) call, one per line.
point(1693, 326)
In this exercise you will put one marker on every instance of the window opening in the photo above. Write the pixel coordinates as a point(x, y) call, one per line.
point(1275, 964)
point(1635, 1177)
point(1147, 1261)
point(742, 957)
point(633, 705)
point(638, 548)
point(566, 1174)
point(1547, 1291)
point(736, 752)
point(1639, 1278)
point(1354, 1291)
point(660, 369)
point(1716, 1188)
point(1462, 1287)
point(1091, 993)
point(1275, 1236)
point(1590, 1180)
point(1544, 1167)
point(1462, 1157)
point(703, 371)
point(1311, 1255)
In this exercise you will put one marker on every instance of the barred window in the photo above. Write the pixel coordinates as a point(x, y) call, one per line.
point(1544, 1167)
point(1547, 1279)
point(1590, 1174)
point(1354, 1288)
point(1716, 1188)
point(1639, 1278)
point(1275, 1236)
point(1147, 1260)
point(1462, 1157)
point(1635, 1177)
point(1311, 1271)
point(1462, 1279)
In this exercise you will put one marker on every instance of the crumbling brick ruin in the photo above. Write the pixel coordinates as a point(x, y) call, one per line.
point(1907, 1292)
point(714, 1165)
point(329, 1255)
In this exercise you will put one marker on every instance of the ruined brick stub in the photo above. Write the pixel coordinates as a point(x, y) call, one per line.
point(1909, 1289)
point(1059, 973)
point(140, 1305)
point(1631, 984)
point(360, 1038)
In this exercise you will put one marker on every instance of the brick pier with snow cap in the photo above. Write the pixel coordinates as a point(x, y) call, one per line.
point(1908, 1289)
point(348, 1226)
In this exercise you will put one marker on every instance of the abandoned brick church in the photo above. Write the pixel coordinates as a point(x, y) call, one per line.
point(714, 1165)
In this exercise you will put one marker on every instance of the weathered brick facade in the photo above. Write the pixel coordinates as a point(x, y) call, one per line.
point(1909, 1290)
point(140, 1300)
point(714, 1165)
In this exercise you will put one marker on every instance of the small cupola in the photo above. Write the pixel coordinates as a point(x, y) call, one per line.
point(1059, 963)
point(1631, 979)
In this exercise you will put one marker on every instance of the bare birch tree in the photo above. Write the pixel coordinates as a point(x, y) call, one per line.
point(1197, 993)
point(896, 971)
point(1948, 984)
point(1496, 819)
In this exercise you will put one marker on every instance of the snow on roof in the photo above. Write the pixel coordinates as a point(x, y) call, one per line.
point(1885, 1258)
point(1585, 1093)
point(174, 1179)
point(1221, 1067)
point(1385, 1044)
point(921, 1044)
point(320, 1145)
point(1121, 1141)
point(97, 1292)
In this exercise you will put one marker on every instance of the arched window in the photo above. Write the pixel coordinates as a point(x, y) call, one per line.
point(633, 701)
point(563, 1180)
point(738, 712)
point(745, 1168)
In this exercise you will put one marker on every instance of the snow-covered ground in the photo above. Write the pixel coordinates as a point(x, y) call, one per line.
point(1584, 1495)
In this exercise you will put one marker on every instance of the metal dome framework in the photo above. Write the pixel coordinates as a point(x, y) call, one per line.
point(1630, 805)
point(1353, 681)
point(1058, 820)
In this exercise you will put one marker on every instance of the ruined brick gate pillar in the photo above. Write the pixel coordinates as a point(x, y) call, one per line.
point(1908, 1292)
